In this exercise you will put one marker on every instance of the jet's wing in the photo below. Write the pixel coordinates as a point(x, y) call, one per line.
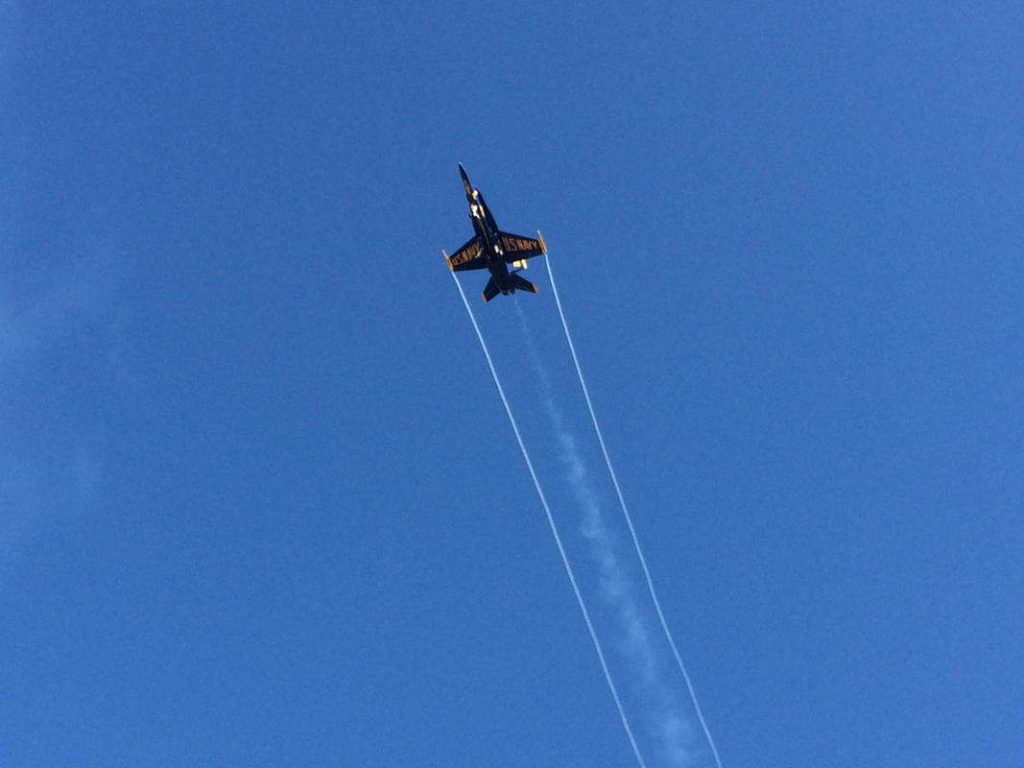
point(518, 247)
point(469, 256)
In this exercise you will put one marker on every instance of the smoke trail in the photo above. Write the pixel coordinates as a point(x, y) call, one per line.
point(671, 729)
point(554, 529)
point(629, 519)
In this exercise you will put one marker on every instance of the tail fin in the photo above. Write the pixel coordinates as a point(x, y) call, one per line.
point(491, 290)
point(520, 283)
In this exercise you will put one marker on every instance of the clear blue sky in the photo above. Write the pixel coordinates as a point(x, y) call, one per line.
point(259, 503)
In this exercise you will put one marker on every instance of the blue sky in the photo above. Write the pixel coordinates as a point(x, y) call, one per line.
point(259, 501)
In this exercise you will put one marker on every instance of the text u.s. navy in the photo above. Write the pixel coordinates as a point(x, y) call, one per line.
point(493, 249)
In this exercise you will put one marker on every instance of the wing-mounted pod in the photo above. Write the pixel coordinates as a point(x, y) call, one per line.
point(541, 249)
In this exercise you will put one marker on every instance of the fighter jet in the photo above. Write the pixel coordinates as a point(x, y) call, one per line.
point(493, 249)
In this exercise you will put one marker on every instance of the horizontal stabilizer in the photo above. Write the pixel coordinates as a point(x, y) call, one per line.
point(520, 283)
point(491, 290)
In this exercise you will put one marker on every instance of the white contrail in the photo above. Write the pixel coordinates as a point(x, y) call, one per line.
point(554, 529)
point(673, 731)
point(629, 519)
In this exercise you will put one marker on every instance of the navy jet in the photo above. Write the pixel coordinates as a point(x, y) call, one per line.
point(492, 249)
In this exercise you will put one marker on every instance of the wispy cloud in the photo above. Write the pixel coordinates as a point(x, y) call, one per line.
point(47, 476)
point(39, 315)
point(36, 493)
point(10, 28)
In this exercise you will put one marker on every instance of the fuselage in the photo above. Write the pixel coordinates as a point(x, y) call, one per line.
point(486, 229)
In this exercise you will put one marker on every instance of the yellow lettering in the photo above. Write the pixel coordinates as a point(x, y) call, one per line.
point(467, 254)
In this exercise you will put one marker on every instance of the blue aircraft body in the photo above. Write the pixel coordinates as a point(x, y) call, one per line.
point(502, 253)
